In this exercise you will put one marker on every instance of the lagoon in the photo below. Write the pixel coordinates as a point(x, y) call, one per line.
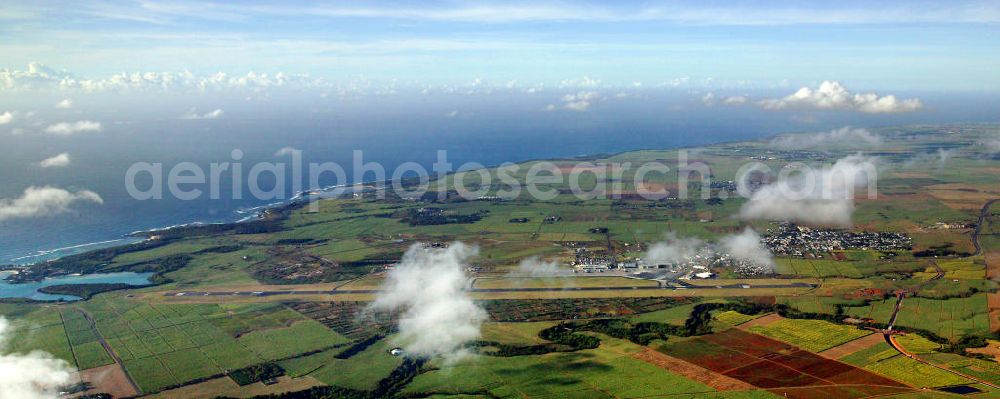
point(30, 290)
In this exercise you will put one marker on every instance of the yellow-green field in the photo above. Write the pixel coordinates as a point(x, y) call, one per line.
point(811, 335)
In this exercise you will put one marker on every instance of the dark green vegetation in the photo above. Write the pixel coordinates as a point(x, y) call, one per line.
point(256, 373)
point(386, 387)
point(84, 291)
point(575, 308)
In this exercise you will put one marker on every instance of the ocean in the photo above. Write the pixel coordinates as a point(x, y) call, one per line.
point(488, 130)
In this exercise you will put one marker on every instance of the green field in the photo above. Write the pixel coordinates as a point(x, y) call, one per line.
point(950, 318)
point(884, 360)
point(605, 372)
point(39, 329)
point(361, 371)
point(675, 315)
point(165, 345)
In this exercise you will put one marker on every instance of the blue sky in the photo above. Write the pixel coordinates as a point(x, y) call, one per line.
point(886, 45)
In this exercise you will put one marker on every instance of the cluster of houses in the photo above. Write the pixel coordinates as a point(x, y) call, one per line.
point(792, 240)
point(697, 266)
point(589, 262)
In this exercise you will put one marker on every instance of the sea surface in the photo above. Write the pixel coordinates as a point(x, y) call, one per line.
point(30, 290)
point(488, 131)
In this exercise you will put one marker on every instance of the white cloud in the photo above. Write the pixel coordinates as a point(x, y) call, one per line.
point(451, 114)
point(286, 151)
point(745, 246)
point(735, 100)
point(991, 145)
point(193, 114)
point(6, 117)
point(536, 267)
point(669, 12)
point(833, 95)
point(68, 128)
point(58, 161)
point(583, 82)
point(429, 287)
point(748, 247)
point(672, 250)
point(814, 196)
point(708, 99)
point(65, 104)
point(677, 82)
point(845, 136)
point(44, 201)
point(579, 101)
point(939, 159)
point(39, 76)
point(34, 375)
point(213, 114)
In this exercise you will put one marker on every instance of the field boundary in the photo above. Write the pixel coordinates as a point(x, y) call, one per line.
point(847, 348)
point(110, 351)
point(692, 371)
point(762, 321)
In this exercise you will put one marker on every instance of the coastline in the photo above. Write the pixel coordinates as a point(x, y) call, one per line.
point(258, 213)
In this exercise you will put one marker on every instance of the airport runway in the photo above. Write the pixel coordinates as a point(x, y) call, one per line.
point(490, 290)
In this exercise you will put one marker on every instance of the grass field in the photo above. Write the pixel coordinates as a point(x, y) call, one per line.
point(815, 304)
point(361, 371)
point(675, 315)
point(515, 333)
point(811, 335)
point(606, 372)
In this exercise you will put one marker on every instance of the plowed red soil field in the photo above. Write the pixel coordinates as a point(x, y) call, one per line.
point(770, 364)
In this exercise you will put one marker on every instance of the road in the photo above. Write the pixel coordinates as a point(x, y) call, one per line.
point(890, 338)
point(488, 290)
point(114, 356)
point(979, 225)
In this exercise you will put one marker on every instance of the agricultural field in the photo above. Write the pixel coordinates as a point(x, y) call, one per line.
point(38, 328)
point(884, 360)
point(779, 367)
point(609, 371)
point(733, 318)
point(167, 345)
point(811, 335)
point(979, 368)
point(950, 318)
